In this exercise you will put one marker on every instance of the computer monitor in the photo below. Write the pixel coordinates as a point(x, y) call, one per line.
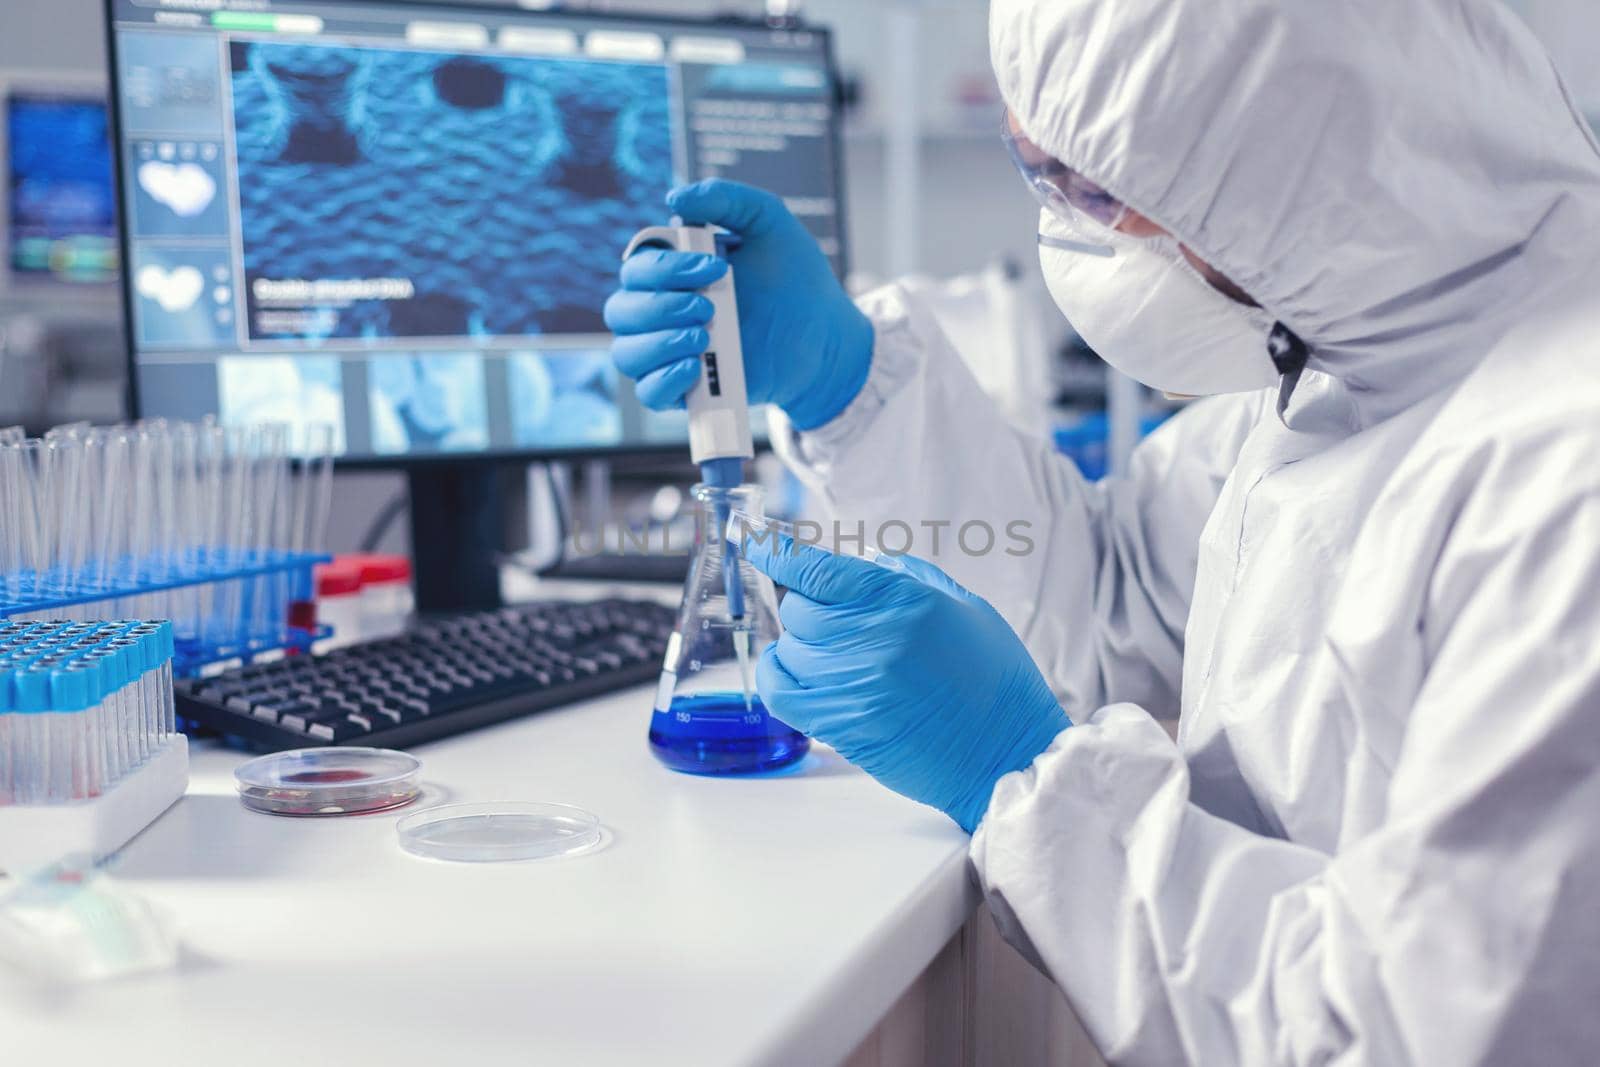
point(60, 220)
point(404, 218)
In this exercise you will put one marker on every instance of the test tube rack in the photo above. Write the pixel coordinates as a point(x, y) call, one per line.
point(214, 527)
point(89, 749)
point(229, 605)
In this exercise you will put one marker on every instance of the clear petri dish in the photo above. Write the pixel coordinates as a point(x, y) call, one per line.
point(329, 781)
point(497, 832)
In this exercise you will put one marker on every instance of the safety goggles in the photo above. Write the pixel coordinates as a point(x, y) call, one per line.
point(1076, 200)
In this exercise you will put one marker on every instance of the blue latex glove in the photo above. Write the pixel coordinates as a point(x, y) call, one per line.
point(807, 347)
point(907, 674)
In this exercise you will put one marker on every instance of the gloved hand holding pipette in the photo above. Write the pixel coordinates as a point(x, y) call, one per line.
point(807, 348)
point(865, 663)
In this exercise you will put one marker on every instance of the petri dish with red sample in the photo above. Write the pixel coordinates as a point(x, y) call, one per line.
point(329, 781)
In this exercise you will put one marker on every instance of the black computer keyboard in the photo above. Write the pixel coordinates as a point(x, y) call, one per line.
point(440, 678)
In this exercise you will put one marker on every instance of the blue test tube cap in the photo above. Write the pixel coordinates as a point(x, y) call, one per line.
point(103, 662)
point(150, 644)
point(139, 641)
point(130, 665)
point(31, 690)
point(139, 649)
point(154, 647)
point(114, 662)
point(72, 688)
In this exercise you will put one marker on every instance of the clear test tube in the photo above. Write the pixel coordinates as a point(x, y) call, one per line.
point(239, 518)
point(150, 689)
point(32, 507)
point(56, 724)
point(163, 523)
point(74, 776)
point(32, 727)
point(269, 593)
point(149, 696)
point(184, 602)
point(317, 474)
point(132, 707)
point(11, 518)
point(91, 480)
point(8, 742)
point(207, 516)
point(311, 491)
point(107, 768)
point(41, 543)
point(136, 716)
point(110, 496)
point(70, 519)
point(142, 521)
point(146, 638)
point(107, 724)
point(120, 757)
point(128, 706)
point(169, 699)
point(239, 486)
point(95, 723)
point(211, 448)
point(158, 659)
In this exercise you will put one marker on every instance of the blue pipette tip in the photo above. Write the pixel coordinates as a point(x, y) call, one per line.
point(723, 473)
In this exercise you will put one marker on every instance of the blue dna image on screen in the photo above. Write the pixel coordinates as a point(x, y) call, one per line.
point(405, 194)
point(429, 402)
point(62, 203)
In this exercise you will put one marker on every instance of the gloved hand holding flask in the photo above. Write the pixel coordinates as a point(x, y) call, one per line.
point(905, 673)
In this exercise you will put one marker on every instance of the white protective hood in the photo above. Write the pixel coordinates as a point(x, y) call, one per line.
point(1316, 154)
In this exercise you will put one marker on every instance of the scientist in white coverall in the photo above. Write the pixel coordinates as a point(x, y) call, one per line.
point(1367, 580)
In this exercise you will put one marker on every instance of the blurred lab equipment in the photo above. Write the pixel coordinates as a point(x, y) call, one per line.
point(71, 923)
point(60, 211)
point(386, 602)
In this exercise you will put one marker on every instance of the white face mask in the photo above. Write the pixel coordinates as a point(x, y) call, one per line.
point(1141, 305)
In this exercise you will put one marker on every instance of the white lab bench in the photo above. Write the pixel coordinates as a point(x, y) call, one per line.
point(773, 920)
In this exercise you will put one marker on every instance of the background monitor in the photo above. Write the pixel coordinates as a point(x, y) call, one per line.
point(60, 201)
point(404, 218)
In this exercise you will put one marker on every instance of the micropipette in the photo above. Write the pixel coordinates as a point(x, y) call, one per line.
point(719, 408)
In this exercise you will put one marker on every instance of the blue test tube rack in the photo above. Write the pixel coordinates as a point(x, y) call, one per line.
point(227, 605)
point(90, 752)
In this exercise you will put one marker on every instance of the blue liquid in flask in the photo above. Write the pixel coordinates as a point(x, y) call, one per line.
point(715, 733)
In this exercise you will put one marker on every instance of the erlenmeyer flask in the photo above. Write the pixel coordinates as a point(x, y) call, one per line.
point(708, 718)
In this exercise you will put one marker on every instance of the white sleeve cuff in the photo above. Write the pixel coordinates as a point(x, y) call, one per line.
point(896, 355)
